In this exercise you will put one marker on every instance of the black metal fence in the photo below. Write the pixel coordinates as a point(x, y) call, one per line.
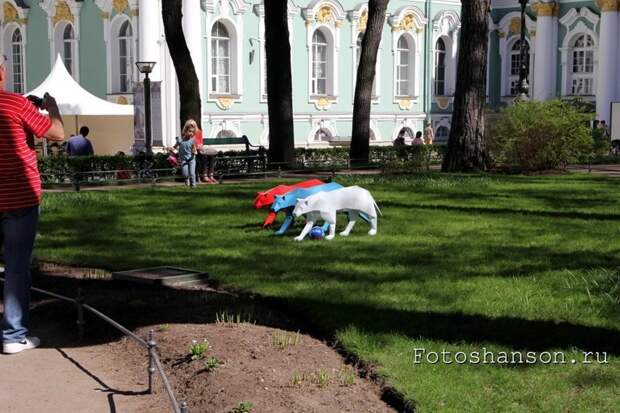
point(149, 344)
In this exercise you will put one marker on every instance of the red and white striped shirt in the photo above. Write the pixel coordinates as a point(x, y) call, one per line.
point(20, 182)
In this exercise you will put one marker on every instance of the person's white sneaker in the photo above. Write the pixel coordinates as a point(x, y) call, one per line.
point(26, 344)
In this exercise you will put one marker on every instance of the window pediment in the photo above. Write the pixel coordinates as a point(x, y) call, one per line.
point(408, 19)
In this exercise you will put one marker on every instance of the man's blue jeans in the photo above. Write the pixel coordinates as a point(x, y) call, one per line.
point(18, 229)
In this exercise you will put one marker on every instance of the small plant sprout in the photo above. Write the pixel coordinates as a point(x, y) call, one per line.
point(323, 378)
point(212, 363)
point(198, 349)
point(283, 339)
point(242, 407)
point(231, 320)
point(163, 327)
point(347, 376)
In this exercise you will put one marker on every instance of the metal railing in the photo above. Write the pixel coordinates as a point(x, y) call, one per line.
point(149, 344)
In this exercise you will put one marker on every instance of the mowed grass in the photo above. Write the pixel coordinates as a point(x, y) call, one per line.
point(461, 263)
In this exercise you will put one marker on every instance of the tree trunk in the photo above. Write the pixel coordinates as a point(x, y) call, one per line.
point(189, 89)
point(466, 146)
point(360, 134)
point(279, 84)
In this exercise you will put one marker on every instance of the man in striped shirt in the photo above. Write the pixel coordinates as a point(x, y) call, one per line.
point(20, 196)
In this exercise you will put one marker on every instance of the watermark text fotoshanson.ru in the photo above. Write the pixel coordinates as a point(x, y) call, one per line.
point(485, 356)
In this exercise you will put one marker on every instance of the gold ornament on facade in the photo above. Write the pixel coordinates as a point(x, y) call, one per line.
point(63, 13)
point(225, 103)
point(338, 24)
point(309, 23)
point(515, 25)
point(362, 22)
point(122, 100)
point(105, 15)
point(443, 102)
point(324, 15)
point(135, 12)
point(501, 34)
point(323, 103)
point(10, 13)
point(405, 104)
point(546, 9)
point(120, 6)
point(407, 23)
point(608, 5)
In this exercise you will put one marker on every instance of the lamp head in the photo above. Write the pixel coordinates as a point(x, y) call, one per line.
point(145, 67)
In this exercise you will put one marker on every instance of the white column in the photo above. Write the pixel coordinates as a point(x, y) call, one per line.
point(546, 53)
point(149, 16)
point(192, 28)
point(608, 60)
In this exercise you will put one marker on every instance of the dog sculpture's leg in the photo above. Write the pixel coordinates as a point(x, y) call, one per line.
point(353, 215)
point(373, 226)
point(330, 218)
point(307, 228)
point(287, 223)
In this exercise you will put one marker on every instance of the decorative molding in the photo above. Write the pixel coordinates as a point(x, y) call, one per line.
point(63, 13)
point(408, 19)
point(608, 5)
point(548, 9)
point(135, 12)
point(573, 15)
point(120, 6)
point(362, 22)
point(405, 104)
point(224, 103)
point(443, 102)
point(105, 15)
point(324, 12)
point(237, 6)
point(122, 100)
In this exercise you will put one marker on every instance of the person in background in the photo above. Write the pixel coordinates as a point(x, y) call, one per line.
point(418, 139)
point(400, 139)
point(80, 145)
point(20, 196)
point(187, 152)
point(429, 134)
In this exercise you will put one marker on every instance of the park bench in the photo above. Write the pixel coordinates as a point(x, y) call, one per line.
point(252, 161)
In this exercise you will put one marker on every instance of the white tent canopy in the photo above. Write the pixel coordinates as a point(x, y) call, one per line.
point(72, 99)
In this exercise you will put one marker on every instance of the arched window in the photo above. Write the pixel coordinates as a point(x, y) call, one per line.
point(440, 68)
point(323, 135)
point(442, 134)
point(319, 63)
point(220, 59)
point(404, 67)
point(68, 40)
point(125, 57)
point(582, 66)
point(515, 65)
point(17, 61)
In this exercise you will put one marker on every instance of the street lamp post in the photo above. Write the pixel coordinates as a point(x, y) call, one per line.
point(146, 68)
point(523, 85)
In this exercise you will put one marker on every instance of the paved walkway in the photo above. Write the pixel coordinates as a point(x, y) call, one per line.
point(607, 170)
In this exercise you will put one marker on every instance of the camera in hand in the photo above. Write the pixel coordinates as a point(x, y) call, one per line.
point(37, 101)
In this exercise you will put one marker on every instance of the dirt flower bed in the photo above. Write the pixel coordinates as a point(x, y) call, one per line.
point(230, 367)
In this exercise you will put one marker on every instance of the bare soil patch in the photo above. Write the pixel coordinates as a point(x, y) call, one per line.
point(252, 353)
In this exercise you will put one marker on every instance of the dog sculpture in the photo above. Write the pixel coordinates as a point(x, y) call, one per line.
point(288, 201)
point(266, 198)
point(353, 199)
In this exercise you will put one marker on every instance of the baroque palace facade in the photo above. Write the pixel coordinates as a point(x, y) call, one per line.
point(573, 50)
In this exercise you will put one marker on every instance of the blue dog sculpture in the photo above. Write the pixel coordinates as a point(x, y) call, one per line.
point(288, 201)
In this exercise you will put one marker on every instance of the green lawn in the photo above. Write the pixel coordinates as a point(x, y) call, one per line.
point(461, 263)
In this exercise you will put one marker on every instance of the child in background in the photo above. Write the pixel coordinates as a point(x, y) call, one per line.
point(187, 152)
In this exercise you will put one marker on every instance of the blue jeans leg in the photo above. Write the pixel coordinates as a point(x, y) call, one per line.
point(19, 229)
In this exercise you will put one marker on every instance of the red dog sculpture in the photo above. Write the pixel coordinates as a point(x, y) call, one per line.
point(265, 199)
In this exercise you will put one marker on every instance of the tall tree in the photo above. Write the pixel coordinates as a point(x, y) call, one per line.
point(466, 146)
point(360, 135)
point(189, 89)
point(279, 83)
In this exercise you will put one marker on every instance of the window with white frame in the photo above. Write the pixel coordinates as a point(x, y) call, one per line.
point(440, 68)
point(17, 61)
point(66, 46)
point(582, 67)
point(515, 65)
point(125, 43)
point(220, 59)
point(404, 67)
point(319, 63)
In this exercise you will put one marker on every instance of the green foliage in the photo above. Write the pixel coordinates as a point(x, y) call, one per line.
point(242, 407)
point(283, 339)
point(197, 349)
point(535, 135)
point(212, 363)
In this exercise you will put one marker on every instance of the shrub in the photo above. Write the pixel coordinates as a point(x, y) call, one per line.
point(539, 135)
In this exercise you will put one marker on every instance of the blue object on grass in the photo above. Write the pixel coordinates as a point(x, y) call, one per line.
point(317, 233)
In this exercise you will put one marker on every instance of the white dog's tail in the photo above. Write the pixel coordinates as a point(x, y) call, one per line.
point(377, 207)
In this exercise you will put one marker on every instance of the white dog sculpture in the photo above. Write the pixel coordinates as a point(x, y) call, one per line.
point(352, 199)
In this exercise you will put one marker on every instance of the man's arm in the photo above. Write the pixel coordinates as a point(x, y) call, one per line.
point(57, 131)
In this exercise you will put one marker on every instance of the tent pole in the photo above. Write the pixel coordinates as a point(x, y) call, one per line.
point(76, 124)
